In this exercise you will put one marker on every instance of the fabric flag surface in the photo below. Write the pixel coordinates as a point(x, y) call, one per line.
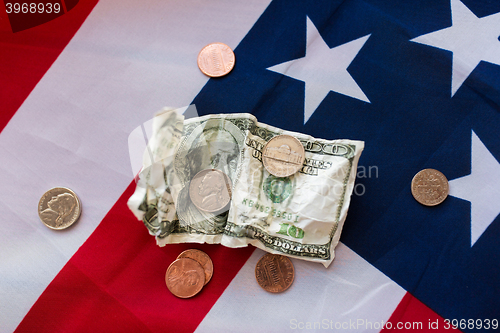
point(417, 81)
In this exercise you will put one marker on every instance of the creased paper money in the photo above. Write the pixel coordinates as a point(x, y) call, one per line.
point(299, 216)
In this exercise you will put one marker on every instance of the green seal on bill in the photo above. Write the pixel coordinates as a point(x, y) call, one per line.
point(277, 189)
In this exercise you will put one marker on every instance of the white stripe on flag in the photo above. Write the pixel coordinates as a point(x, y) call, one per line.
point(350, 294)
point(128, 60)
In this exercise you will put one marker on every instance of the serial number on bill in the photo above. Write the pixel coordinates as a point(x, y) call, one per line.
point(32, 8)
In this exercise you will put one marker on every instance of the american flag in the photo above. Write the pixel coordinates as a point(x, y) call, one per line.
point(418, 81)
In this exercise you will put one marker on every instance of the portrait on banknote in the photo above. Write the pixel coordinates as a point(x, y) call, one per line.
point(212, 144)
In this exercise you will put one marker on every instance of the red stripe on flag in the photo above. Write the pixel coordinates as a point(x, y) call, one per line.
point(93, 311)
point(27, 55)
point(116, 282)
point(413, 315)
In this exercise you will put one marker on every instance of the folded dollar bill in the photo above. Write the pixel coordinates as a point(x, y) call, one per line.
point(300, 216)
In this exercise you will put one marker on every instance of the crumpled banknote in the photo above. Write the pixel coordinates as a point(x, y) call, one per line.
point(299, 216)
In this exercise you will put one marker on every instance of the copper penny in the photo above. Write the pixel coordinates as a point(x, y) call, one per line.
point(429, 187)
point(185, 277)
point(274, 273)
point(59, 208)
point(283, 155)
point(210, 190)
point(216, 59)
point(203, 259)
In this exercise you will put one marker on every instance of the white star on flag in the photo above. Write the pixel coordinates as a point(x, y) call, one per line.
point(471, 39)
point(481, 188)
point(323, 69)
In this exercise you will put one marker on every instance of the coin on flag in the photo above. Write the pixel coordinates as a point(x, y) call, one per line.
point(429, 187)
point(216, 59)
point(185, 277)
point(59, 208)
point(274, 273)
point(203, 259)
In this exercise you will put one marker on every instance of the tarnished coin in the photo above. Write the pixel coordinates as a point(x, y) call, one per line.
point(283, 155)
point(210, 190)
point(429, 187)
point(59, 208)
point(274, 273)
point(216, 59)
point(203, 259)
point(185, 277)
